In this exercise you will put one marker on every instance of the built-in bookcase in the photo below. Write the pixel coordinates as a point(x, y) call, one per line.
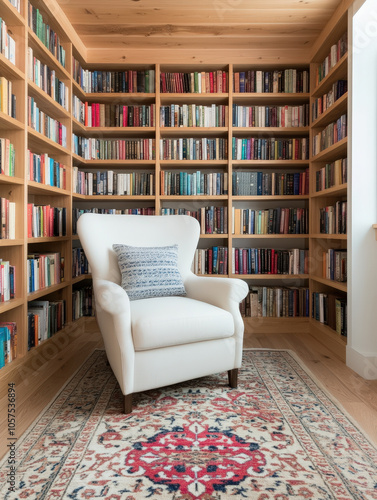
point(328, 184)
point(237, 153)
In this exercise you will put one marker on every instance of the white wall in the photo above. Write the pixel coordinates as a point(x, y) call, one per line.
point(362, 196)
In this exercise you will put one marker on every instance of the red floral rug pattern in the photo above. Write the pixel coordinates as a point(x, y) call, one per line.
point(278, 436)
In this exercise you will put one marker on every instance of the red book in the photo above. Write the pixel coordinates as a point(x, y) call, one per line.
point(210, 260)
point(211, 84)
point(225, 86)
point(236, 263)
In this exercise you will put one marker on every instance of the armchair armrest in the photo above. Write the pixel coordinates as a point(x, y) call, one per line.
point(220, 292)
point(111, 297)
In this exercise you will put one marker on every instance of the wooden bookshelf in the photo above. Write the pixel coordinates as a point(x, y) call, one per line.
point(319, 242)
point(23, 137)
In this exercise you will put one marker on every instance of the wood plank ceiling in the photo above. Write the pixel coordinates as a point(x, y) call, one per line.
point(198, 28)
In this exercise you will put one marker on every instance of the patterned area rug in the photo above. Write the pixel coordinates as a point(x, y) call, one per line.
point(277, 436)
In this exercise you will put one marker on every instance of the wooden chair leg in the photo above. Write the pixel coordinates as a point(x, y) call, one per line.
point(233, 378)
point(127, 402)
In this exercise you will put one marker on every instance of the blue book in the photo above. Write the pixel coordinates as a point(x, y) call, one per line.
point(214, 260)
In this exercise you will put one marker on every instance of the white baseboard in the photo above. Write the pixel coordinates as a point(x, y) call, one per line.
point(362, 364)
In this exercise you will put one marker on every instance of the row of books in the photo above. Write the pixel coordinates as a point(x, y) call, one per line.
point(46, 221)
point(332, 174)
point(323, 103)
point(271, 116)
point(44, 270)
point(45, 125)
point(45, 170)
point(113, 115)
point(7, 281)
point(83, 303)
point(7, 98)
point(255, 148)
point(77, 212)
point(276, 81)
point(114, 149)
point(45, 78)
point(212, 260)
point(45, 33)
point(193, 184)
point(333, 218)
point(192, 148)
point(7, 157)
point(331, 134)
point(204, 82)
point(113, 183)
point(8, 342)
point(270, 221)
point(212, 219)
point(269, 261)
point(7, 219)
point(331, 310)
point(128, 81)
point(80, 264)
point(7, 43)
point(270, 183)
point(337, 51)
point(44, 319)
point(276, 302)
point(194, 115)
point(334, 264)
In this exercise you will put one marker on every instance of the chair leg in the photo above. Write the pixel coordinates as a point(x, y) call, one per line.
point(233, 378)
point(127, 402)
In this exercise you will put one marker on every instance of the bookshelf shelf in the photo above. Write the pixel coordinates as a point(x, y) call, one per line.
point(333, 152)
point(338, 72)
point(82, 277)
point(9, 123)
point(272, 131)
point(193, 197)
point(46, 291)
point(119, 97)
point(112, 163)
point(38, 188)
point(332, 113)
point(269, 236)
point(42, 53)
point(166, 132)
point(339, 190)
point(321, 236)
point(331, 283)
point(270, 98)
point(214, 236)
point(214, 98)
point(9, 70)
point(10, 304)
point(11, 14)
point(113, 197)
point(48, 239)
point(11, 243)
point(112, 132)
point(271, 197)
point(50, 106)
point(271, 163)
point(6, 179)
point(280, 277)
point(38, 141)
point(193, 163)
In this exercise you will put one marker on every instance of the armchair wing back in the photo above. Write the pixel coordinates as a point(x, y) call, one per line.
point(158, 341)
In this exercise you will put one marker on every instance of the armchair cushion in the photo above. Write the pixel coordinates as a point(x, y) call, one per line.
point(149, 271)
point(171, 321)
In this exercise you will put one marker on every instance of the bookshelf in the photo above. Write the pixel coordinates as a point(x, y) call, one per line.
point(24, 190)
point(328, 182)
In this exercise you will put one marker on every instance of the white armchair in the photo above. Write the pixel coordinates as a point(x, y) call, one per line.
point(154, 342)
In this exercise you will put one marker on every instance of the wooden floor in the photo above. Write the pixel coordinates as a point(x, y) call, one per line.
point(47, 371)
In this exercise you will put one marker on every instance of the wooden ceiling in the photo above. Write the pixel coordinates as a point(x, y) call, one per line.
point(198, 29)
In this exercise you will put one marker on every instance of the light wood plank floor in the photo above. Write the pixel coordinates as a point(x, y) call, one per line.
point(47, 371)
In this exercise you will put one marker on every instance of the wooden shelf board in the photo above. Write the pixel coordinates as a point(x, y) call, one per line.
point(331, 283)
point(332, 113)
point(193, 197)
point(41, 52)
point(48, 103)
point(113, 163)
point(44, 143)
point(9, 70)
point(9, 123)
point(340, 190)
point(113, 197)
point(80, 278)
point(270, 97)
point(271, 163)
point(332, 152)
point(47, 239)
point(329, 236)
point(329, 332)
point(11, 243)
point(270, 236)
point(46, 291)
point(270, 276)
point(271, 197)
point(172, 97)
point(134, 97)
point(202, 163)
point(8, 179)
point(338, 72)
point(278, 131)
point(39, 188)
point(166, 132)
point(214, 236)
point(10, 304)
